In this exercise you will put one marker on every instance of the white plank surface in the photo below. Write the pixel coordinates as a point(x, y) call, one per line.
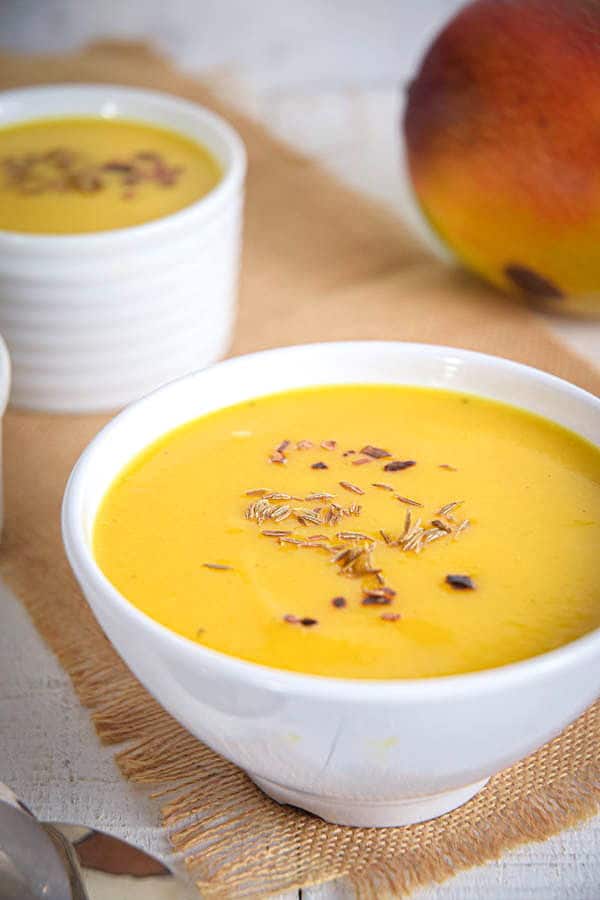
point(319, 74)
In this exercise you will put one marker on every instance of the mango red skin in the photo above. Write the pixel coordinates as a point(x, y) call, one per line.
point(502, 129)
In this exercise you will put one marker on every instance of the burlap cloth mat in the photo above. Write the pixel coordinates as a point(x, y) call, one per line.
point(320, 263)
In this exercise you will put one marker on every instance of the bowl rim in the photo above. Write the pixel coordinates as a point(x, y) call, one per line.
point(5, 376)
point(482, 681)
point(231, 180)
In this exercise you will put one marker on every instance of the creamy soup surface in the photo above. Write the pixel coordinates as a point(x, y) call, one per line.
point(402, 532)
point(80, 175)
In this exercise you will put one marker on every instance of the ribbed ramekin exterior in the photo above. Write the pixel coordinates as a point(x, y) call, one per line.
point(94, 335)
point(93, 322)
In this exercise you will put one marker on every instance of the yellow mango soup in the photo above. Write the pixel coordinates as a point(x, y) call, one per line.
point(362, 531)
point(80, 175)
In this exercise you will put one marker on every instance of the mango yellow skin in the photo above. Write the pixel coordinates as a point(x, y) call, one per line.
point(530, 489)
point(97, 141)
point(501, 129)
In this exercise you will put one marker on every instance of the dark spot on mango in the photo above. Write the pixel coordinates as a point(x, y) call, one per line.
point(531, 282)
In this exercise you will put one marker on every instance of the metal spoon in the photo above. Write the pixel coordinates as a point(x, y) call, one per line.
point(51, 861)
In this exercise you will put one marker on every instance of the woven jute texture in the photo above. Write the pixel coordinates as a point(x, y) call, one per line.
point(320, 263)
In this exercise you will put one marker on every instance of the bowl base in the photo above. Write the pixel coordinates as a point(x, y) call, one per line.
point(370, 814)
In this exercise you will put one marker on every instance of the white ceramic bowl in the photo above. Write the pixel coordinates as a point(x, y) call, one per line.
point(93, 321)
point(354, 752)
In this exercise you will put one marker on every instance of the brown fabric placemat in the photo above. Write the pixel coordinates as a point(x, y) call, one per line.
point(320, 263)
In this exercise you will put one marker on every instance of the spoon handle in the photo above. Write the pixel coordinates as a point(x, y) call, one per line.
point(25, 851)
point(69, 857)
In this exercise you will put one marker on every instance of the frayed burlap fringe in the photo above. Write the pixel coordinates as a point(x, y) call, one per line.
point(340, 268)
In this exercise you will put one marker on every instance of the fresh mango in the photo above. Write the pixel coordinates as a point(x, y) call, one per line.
point(502, 135)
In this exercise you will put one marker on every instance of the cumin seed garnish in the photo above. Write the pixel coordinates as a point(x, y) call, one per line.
point(408, 500)
point(448, 467)
point(352, 536)
point(339, 602)
point(319, 465)
point(274, 533)
point(257, 492)
point(386, 537)
point(348, 486)
point(375, 452)
point(433, 535)
point(277, 457)
point(307, 621)
point(350, 560)
point(414, 541)
point(328, 445)
point(361, 461)
point(341, 555)
point(291, 620)
point(449, 507)
point(279, 513)
point(348, 452)
point(390, 617)
point(310, 515)
point(462, 527)
point(276, 495)
point(282, 446)
point(460, 582)
point(218, 567)
point(290, 540)
point(397, 465)
point(354, 509)
point(316, 537)
point(304, 445)
point(441, 525)
point(319, 495)
point(382, 485)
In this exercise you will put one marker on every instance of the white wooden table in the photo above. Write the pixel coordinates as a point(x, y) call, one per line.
point(319, 74)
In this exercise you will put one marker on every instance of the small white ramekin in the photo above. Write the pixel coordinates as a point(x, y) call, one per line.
point(94, 321)
point(4, 392)
point(356, 752)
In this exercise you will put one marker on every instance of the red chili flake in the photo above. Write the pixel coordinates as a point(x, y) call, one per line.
point(460, 582)
point(319, 465)
point(361, 461)
point(385, 592)
point(282, 446)
point(390, 617)
point(375, 452)
point(398, 464)
point(328, 445)
point(372, 599)
point(307, 621)
point(339, 602)
point(292, 620)
point(150, 155)
point(115, 165)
